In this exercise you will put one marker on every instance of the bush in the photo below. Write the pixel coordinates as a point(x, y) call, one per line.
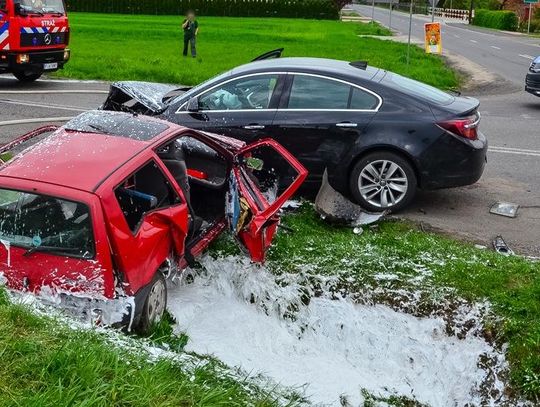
point(501, 20)
point(319, 9)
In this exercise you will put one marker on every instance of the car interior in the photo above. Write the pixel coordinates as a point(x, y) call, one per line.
point(201, 172)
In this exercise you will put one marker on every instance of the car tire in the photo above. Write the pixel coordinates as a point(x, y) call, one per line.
point(383, 180)
point(155, 304)
point(27, 77)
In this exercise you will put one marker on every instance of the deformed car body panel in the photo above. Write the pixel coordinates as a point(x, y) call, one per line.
point(125, 259)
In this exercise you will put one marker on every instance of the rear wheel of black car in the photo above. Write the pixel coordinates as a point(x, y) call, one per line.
point(154, 305)
point(27, 76)
point(383, 180)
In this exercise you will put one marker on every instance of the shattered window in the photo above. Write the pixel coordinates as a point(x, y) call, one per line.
point(116, 124)
point(46, 224)
point(144, 191)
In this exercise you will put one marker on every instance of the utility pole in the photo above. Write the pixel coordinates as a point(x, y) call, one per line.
point(410, 28)
point(471, 12)
point(433, 3)
point(373, 10)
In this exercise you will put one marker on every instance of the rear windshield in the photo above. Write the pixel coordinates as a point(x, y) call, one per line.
point(418, 89)
point(45, 223)
point(116, 124)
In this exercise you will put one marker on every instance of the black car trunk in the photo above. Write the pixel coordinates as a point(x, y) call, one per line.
point(460, 107)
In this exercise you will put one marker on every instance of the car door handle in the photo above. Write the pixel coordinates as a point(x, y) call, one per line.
point(346, 124)
point(254, 127)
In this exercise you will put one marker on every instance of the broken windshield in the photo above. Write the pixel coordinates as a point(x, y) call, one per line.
point(45, 223)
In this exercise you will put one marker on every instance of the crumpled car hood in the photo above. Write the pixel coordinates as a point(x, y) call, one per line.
point(149, 94)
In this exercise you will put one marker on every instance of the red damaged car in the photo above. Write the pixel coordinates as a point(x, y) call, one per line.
point(111, 204)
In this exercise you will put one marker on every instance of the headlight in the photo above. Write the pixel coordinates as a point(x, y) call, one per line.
point(67, 54)
point(535, 67)
point(23, 58)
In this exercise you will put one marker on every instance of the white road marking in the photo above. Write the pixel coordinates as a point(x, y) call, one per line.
point(526, 56)
point(517, 151)
point(51, 92)
point(43, 105)
point(36, 120)
point(494, 47)
point(474, 41)
point(457, 36)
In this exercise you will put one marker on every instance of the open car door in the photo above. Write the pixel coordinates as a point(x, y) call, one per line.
point(265, 175)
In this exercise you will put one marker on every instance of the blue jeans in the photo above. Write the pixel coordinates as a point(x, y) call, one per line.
point(191, 41)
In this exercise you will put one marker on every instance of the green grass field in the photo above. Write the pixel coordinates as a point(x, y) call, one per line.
point(126, 47)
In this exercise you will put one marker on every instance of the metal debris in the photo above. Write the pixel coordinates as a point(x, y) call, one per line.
point(501, 247)
point(333, 206)
point(507, 209)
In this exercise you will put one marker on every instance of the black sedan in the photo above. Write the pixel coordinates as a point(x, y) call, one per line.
point(532, 80)
point(378, 134)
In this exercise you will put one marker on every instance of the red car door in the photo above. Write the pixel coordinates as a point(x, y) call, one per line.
point(253, 205)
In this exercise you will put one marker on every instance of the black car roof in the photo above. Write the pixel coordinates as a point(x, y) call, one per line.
point(321, 65)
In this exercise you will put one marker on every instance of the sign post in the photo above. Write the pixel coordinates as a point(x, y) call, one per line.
point(530, 3)
point(432, 38)
point(410, 28)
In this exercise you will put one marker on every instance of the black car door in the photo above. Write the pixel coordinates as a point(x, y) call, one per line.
point(319, 119)
point(242, 107)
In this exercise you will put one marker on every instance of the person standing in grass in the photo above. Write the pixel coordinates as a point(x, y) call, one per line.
point(191, 29)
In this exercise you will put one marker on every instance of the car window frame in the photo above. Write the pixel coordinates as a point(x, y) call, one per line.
point(135, 231)
point(284, 104)
point(274, 99)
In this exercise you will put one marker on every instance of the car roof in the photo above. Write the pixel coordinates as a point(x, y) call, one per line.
point(322, 65)
point(83, 159)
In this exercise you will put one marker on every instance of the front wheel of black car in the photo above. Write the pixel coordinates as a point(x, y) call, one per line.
point(383, 180)
point(154, 305)
point(24, 76)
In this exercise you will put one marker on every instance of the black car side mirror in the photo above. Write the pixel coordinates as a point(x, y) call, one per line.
point(193, 105)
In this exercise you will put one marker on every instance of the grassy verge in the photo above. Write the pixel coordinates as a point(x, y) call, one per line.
point(126, 47)
point(383, 263)
point(45, 363)
point(393, 263)
point(423, 274)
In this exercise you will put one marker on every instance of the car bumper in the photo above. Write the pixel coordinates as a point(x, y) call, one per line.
point(453, 161)
point(38, 61)
point(532, 83)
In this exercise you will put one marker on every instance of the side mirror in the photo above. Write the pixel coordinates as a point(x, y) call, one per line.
point(193, 105)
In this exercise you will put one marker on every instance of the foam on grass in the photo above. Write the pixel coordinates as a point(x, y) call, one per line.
point(332, 347)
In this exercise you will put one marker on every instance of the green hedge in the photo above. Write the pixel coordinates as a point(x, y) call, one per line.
point(319, 9)
point(501, 19)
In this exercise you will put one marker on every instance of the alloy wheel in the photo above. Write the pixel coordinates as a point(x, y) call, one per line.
point(156, 301)
point(383, 183)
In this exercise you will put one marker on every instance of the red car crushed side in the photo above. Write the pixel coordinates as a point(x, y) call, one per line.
point(86, 167)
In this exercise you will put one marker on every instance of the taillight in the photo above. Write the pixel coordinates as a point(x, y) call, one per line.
point(463, 126)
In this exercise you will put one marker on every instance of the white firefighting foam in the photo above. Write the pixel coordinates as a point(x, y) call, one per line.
point(331, 349)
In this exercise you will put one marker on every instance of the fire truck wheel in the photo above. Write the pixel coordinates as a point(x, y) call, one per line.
point(23, 76)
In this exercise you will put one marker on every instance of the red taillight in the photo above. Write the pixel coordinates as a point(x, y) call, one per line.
point(463, 126)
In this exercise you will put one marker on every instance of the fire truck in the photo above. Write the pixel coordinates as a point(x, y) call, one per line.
point(34, 37)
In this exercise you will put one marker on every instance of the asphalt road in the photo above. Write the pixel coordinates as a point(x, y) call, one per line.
point(511, 120)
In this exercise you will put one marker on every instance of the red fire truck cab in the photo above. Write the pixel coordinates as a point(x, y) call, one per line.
point(34, 35)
